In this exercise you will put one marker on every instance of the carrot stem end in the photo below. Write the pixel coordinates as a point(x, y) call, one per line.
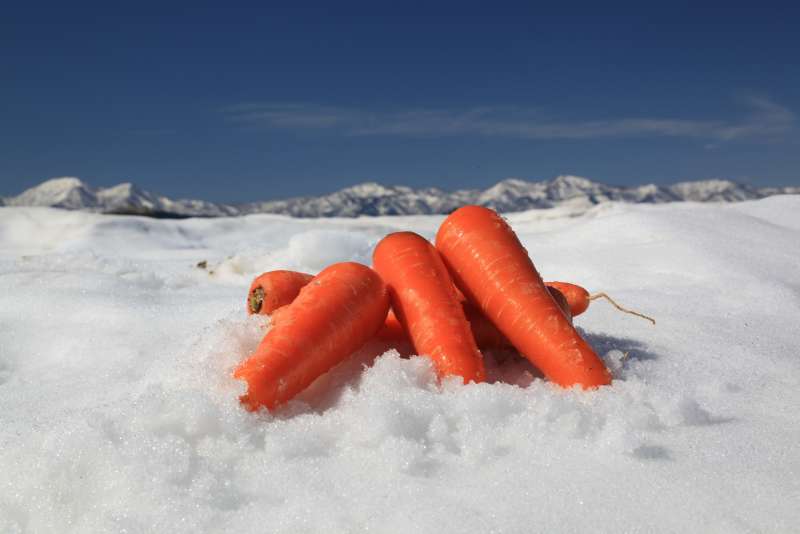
point(256, 300)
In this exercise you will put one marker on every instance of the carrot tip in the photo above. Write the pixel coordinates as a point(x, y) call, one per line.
point(247, 403)
point(242, 372)
point(256, 300)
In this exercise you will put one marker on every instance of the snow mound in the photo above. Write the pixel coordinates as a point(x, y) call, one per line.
point(118, 336)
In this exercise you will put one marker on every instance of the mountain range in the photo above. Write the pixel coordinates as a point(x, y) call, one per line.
point(372, 198)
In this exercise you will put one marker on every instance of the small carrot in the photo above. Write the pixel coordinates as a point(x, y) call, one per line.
point(426, 304)
point(273, 289)
point(579, 299)
point(493, 270)
point(576, 296)
point(333, 316)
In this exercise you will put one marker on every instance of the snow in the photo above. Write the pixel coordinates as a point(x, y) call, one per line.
point(65, 192)
point(72, 193)
point(119, 413)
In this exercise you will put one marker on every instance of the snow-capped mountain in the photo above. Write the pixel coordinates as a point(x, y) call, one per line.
point(67, 192)
point(125, 198)
point(508, 195)
point(715, 191)
point(367, 199)
point(371, 198)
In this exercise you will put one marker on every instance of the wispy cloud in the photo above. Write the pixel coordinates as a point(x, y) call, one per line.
point(761, 118)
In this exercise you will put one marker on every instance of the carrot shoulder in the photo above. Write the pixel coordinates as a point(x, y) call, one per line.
point(425, 302)
point(273, 289)
point(333, 316)
point(493, 270)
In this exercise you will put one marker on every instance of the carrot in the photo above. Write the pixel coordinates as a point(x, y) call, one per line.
point(273, 289)
point(493, 270)
point(486, 335)
point(561, 300)
point(333, 316)
point(426, 304)
point(392, 330)
point(579, 299)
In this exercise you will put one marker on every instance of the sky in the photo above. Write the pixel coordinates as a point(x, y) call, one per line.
point(257, 101)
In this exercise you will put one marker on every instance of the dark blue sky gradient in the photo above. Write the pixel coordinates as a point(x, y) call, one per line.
point(245, 103)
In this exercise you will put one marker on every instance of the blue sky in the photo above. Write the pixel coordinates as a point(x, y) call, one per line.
point(248, 102)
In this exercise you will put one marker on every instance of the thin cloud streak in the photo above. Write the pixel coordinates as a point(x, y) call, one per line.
point(765, 119)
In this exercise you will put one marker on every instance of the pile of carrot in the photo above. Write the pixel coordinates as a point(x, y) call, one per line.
point(476, 288)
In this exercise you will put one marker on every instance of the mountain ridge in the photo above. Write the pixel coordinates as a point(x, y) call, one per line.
point(372, 198)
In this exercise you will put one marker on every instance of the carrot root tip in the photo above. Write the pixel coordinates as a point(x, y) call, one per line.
point(620, 308)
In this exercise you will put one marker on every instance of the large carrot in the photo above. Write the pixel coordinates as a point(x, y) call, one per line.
point(493, 270)
point(486, 334)
point(333, 316)
point(273, 289)
point(578, 299)
point(425, 302)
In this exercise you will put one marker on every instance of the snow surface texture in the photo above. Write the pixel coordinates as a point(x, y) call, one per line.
point(119, 413)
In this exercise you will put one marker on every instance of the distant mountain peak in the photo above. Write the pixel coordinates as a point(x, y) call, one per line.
point(62, 182)
point(512, 182)
point(570, 179)
point(64, 192)
point(123, 188)
point(373, 198)
point(368, 189)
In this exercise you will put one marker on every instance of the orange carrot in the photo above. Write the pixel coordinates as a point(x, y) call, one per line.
point(426, 304)
point(579, 299)
point(392, 330)
point(561, 300)
point(493, 270)
point(487, 336)
point(273, 289)
point(333, 316)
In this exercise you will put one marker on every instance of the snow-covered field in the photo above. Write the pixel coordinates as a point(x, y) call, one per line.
point(118, 412)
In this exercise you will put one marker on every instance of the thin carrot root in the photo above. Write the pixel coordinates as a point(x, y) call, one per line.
point(620, 308)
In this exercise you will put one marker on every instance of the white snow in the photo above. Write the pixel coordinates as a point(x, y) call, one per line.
point(118, 412)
